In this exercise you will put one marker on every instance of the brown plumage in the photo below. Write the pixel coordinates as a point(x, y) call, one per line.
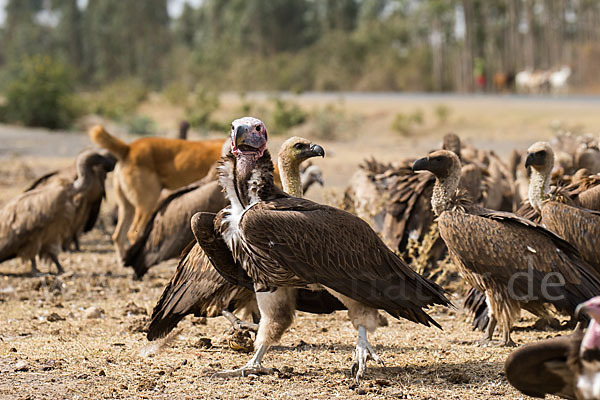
point(579, 226)
point(88, 208)
point(284, 243)
point(168, 232)
point(198, 288)
point(39, 221)
point(582, 191)
point(568, 367)
point(516, 262)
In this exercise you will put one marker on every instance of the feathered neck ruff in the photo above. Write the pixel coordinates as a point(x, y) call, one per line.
point(244, 187)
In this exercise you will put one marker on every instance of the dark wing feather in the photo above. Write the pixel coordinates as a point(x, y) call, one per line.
point(541, 368)
point(217, 251)
point(475, 303)
point(409, 207)
point(196, 288)
point(296, 241)
point(93, 214)
point(42, 180)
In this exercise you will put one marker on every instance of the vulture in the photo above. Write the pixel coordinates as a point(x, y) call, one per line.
point(514, 261)
point(198, 288)
point(282, 243)
point(560, 209)
point(579, 226)
point(167, 234)
point(88, 208)
point(39, 221)
point(564, 366)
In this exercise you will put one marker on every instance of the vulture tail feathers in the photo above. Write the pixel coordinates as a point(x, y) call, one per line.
point(475, 303)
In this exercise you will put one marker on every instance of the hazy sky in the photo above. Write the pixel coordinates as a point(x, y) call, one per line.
point(175, 7)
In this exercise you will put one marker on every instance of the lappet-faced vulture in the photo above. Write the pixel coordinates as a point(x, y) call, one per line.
point(515, 262)
point(283, 243)
point(568, 366)
point(39, 221)
point(198, 288)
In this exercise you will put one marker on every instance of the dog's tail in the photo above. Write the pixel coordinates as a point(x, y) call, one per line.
point(105, 140)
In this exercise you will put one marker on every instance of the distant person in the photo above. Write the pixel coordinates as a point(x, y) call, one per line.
point(184, 127)
point(479, 74)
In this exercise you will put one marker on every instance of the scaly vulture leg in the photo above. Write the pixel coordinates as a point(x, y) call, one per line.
point(489, 332)
point(253, 367)
point(34, 270)
point(277, 311)
point(59, 267)
point(363, 352)
point(507, 341)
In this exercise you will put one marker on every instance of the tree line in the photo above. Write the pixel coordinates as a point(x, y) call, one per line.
point(298, 45)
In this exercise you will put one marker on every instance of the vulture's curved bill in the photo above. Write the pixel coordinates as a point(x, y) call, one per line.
point(567, 366)
point(515, 262)
point(284, 243)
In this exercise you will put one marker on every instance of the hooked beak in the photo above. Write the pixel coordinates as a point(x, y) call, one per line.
point(530, 160)
point(316, 150)
point(247, 140)
point(421, 164)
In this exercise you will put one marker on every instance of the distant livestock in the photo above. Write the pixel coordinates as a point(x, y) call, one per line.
point(542, 81)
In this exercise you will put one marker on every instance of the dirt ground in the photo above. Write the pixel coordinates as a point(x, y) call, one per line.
point(80, 335)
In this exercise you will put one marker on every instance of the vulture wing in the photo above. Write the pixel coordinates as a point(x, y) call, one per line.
point(510, 250)
point(542, 368)
point(196, 288)
point(293, 241)
point(409, 208)
point(42, 180)
point(579, 226)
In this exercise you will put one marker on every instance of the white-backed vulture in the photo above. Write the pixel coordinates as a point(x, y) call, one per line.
point(197, 288)
point(39, 221)
point(583, 191)
point(515, 262)
point(310, 175)
point(283, 243)
point(579, 226)
point(564, 366)
point(88, 208)
point(167, 234)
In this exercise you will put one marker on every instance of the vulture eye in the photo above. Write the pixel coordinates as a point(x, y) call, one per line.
point(258, 128)
point(232, 128)
point(298, 146)
point(542, 153)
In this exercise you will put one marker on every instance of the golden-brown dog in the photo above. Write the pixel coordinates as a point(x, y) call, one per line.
point(145, 167)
